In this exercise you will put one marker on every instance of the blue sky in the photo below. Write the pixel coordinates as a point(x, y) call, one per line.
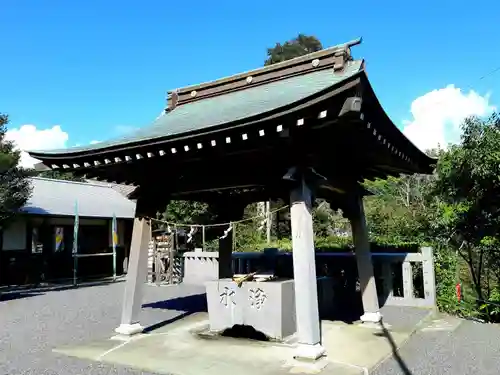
point(98, 68)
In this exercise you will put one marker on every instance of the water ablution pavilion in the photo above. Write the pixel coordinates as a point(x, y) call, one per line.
point(311, 127)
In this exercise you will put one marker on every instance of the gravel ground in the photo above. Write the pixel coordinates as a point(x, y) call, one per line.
point(35, 324)
point(403, 318)
point(472, 349)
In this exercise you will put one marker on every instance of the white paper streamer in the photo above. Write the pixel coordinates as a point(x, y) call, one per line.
point(190, 234)
point(262, 224)
point(226, 232)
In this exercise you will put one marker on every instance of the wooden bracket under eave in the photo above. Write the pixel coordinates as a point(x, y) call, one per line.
point(352, 104)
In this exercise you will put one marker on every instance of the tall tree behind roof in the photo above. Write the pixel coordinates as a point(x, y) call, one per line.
point(299, 46)
point(15, 188)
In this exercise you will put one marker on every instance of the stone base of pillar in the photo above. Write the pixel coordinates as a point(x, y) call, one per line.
point(129, 329)
point(309, 352)
point(371, 317)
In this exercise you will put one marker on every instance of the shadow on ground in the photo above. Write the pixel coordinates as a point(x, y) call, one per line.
point(347, 308)
point(188, 305)
point(17, 295)
point(58, 287)
point(193, 303)
point(395, 353)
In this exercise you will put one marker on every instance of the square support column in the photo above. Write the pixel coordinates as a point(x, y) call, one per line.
point(136, 278)
point(304, 269)
point(365, 266)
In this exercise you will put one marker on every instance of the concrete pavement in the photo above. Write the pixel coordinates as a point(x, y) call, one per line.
point(34, 324)
point(449, 346)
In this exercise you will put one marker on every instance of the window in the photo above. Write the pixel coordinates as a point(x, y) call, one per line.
point(36, 244)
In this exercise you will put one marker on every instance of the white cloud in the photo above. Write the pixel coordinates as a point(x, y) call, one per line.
point(28, 137)
point(438, 114)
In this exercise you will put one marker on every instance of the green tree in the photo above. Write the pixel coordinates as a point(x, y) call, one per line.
point(15, 188)
point(406, 209)
point(299, 46)
point(467, 216)
point(188, 212)
point(399, 208)
point(328, 222)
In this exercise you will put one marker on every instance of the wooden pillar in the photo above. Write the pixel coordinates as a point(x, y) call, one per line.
point(364, 261)
point(136, 277)
point(137, 272)
point(304, 269)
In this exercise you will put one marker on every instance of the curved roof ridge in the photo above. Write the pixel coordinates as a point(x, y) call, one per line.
point(335, 56)
point(277, 66)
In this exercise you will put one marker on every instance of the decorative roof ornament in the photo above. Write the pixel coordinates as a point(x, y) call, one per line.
point(342, 56)
point(315, 63)
point(172, 100)
point(249, 79)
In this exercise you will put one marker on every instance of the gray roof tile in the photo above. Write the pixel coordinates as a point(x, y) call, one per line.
point(124, 190)
point(58, 197)
point(223, 109)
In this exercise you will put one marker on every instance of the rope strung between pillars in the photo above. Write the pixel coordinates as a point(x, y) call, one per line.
point(231, 226)
point(168, 223)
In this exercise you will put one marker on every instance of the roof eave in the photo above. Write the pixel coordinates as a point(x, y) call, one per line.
point(419, 163)
point(48, 158)
point(424, 162)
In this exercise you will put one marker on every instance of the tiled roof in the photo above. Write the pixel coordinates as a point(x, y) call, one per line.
point(58, 197)
point(242, 104)
point(124, 190)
